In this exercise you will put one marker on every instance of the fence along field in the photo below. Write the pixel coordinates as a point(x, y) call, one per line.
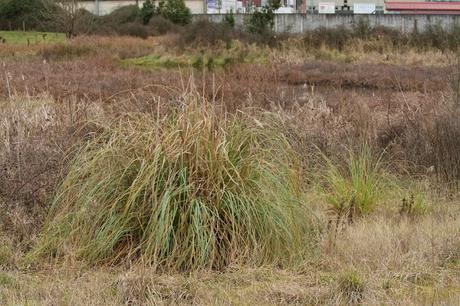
point(209, 166)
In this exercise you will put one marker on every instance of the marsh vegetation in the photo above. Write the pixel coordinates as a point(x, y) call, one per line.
point(204, 167)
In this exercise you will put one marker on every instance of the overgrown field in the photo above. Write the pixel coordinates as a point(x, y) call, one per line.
point(202, 168)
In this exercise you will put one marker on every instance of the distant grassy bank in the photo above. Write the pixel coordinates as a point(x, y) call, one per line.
point(19, 37)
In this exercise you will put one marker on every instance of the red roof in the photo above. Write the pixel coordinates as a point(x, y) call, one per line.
point(423, 6)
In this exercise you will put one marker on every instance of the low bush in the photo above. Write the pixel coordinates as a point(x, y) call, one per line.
point(159, 25)
point(391, 37)
point(189, 191)
point(124, 14)
point(444, 137)
point(433, 37)
point(125, 21)
point(362, 29)
point(86, 23)
point(133, 29)
point(431, 139)
point(332, 38)
point(205, 33)
point(63, 51)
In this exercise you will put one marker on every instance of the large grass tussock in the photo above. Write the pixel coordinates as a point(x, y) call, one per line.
point(190, 191)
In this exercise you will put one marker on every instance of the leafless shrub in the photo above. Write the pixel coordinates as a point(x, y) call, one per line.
point(63, 51)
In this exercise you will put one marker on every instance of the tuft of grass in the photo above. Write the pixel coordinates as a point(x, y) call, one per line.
point(414, 201)
point(140, 288)
point(352, 287)
point(6, 280)
point(354, 186)
point(6, 255)
point(192, 190)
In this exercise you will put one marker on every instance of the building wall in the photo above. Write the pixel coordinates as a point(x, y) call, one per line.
point(380, 4)
point(108, 6)
point(297, 23)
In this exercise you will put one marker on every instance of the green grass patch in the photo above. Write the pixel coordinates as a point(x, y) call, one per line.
point(7, 281)
point(414, 200)
point(198, 60)
point(19, 37)
point(6, 255)
point(173, 62)
point(180, 61)
point(6, 250)
point(193, 190)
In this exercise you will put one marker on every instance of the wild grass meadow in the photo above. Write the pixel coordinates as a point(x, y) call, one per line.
point(203, 166)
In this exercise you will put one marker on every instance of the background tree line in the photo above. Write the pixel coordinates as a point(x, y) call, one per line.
point(69, 17)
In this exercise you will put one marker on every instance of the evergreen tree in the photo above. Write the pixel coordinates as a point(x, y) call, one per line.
point(175, 11)
point(147, 11)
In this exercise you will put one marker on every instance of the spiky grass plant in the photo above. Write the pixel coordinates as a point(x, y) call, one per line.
point(193, 190)
point(354, 186)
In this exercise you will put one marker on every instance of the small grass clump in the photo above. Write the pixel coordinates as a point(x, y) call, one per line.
point(414, 201)
point(352, 287)
point(6, 254)
point(192, 190)
point(354, 186)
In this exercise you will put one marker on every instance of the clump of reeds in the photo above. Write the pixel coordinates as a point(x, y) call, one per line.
point(192, 190)
point(353, 186)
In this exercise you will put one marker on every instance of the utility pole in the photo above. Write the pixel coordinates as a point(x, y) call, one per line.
point(97, 8)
